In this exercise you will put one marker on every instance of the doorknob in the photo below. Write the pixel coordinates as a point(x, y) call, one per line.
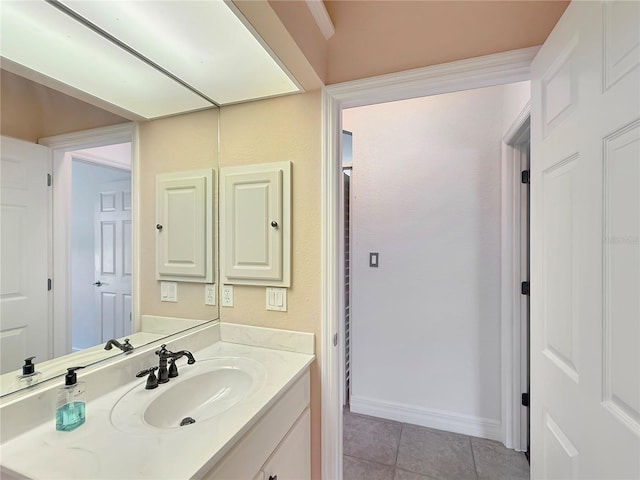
point(98, 283)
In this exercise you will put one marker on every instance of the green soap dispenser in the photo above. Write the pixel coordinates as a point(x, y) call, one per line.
point(71, 404)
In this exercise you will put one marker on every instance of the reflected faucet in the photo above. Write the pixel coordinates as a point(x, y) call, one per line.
point(126, 347)
point(165, 373)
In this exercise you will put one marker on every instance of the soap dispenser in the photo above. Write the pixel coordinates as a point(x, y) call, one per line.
point(29, 375)
point(70, 408)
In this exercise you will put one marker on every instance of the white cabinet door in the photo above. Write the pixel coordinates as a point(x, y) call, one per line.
point(184, 226)
point(292, 459)
point(585, 253)
point(24, 210)
point(255, 218)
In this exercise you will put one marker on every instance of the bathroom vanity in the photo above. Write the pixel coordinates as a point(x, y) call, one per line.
point(241, 411)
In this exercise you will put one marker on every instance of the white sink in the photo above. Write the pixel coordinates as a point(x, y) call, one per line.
point(201, 392)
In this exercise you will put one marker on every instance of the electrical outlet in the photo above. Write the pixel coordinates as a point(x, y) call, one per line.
point(210, 294)
point(227, 295)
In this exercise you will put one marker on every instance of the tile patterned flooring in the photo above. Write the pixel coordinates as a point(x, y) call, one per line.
point(378, 449)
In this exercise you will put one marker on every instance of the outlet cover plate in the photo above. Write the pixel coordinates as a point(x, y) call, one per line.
point(210, 294)
point(227, 295)
point(169, 291)
point(277, 299)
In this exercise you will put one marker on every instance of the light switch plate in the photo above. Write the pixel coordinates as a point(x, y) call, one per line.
point(277, 299)
point(169, 291)
point(210, 294)
point(227, 295)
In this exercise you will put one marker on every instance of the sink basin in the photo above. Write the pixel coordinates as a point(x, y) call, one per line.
point(200, 393)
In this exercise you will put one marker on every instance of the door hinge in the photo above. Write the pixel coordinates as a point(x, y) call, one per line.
point(49, 180)
point(335, 339)
point(49, 284)
point(524, 176)
point(525, 288)
point(525, 399)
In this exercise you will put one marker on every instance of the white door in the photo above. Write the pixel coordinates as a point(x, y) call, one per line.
point(113, 259)
point(24, 207)
point(585, 255)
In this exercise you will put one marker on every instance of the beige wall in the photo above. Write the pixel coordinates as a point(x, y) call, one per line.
point(30, 111)
point(182, 142)
point(284, 128)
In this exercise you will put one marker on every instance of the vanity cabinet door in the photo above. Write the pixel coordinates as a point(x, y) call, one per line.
point(292, 459)
point(255, 222)
point(184, 226)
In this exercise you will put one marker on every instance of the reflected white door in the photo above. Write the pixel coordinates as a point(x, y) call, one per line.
point(24, 206)
point(585, 255)
point(113, 259)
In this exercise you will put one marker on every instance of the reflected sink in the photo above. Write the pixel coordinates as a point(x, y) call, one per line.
point(201, 392)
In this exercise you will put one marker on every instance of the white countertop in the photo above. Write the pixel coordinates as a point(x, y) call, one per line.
point(98, 450)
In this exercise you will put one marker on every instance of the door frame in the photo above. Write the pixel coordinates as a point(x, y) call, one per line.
point(514, 341)
point(490, 70)
point(59, 148)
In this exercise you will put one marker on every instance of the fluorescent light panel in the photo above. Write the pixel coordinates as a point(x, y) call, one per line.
point(41, 38)
point(201, 42)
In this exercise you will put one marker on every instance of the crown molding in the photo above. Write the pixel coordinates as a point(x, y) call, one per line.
point(322, 18)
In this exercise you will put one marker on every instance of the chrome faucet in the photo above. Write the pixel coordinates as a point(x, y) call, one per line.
point(164, 373)
point(125, 346)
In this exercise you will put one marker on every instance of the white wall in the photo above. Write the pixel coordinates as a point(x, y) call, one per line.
point(426, 196)
point(515, 97)
point(85, 181)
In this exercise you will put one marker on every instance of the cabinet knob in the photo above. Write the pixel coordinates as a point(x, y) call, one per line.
point(274, 224)
point(158, 226)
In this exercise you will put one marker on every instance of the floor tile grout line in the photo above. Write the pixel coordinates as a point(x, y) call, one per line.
point(370, 461)
point(398, 449)
point(473, 458)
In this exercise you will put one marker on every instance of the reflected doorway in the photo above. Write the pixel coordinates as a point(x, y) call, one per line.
point(100, 247)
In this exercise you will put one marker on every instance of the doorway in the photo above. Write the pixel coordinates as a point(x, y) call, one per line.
point(427, 81)
point(100, 245)
point(95, 146)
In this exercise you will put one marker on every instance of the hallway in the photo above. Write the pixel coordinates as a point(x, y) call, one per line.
point(378, 449)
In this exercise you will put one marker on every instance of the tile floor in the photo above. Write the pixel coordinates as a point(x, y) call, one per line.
point(377, 449)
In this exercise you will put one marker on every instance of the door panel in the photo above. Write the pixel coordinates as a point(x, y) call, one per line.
point(585, 279)
point(24, 207)
point(113, 260)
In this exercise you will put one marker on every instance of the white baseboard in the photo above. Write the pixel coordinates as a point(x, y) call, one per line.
point(438, 419)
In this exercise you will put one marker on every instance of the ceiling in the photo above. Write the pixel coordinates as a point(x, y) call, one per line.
point(374, 37)
point(150, 59)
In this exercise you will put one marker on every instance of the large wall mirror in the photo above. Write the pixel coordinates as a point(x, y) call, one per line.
point(154, 75)
point(69, 217)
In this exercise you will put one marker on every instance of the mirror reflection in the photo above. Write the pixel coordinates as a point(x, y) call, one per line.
point(68, 259)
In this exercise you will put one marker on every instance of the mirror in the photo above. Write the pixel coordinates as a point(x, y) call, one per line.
point(92, 186)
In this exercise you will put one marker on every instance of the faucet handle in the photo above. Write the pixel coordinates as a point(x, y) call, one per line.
point(152, 380)
point(126, 346)
point(163, 350)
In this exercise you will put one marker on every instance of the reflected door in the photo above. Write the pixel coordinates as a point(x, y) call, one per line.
point(113, 259)
point(24, 312)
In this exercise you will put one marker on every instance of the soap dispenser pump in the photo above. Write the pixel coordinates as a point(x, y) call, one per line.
point(29, 375)
point(71, 404)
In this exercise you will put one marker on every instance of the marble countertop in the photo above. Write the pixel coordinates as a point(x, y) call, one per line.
point(99, 450)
